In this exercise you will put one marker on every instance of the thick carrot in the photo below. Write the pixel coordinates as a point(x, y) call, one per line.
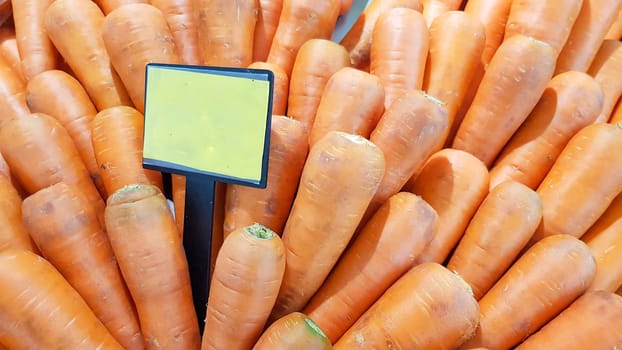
point(12, 93)
point(238, 308)
point(594, 320)
point(340, 176)
point(65, 228)
point(61, 96)
point(399, 49)
point(538, 286)
point(9, 50)
point(109, 5)
point(13, 234)
point(267, 21)
point(428, 298)
point(358, 39)
point(151, 257)
point(352, 102)
point(316, 61)
point(384, 250)
point(293, 331)
point(134, 35)
point(571, 101)
point(510, 88)
point(281, 86)
point(587, 34)
point(607, 71)
point(40, 310)
point(301, 20)
point(182, 19)
point(435, 8)
point(498, 231)
point(454, 183)
point(493, 15)
point(615, 29)
point(568, 190)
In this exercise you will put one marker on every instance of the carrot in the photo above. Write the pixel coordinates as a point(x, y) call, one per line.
point(6, 11)
point(64, 226)
point(454, 183)
point(571, 101)
point(435, 8)
point(493, 15)
point(616, 115)
point(615, 29)
point(13, 234)
point(429, 299)
point(6, 172)
point(40, 310)
point(150, 254)
point(134, 35)
point(339, 178)
point(498, 231)
point(594, 320)
point(270, 206)
point(316, 61)
point(281, 86)
point(40, 153)
point(256, 256)
point(183, 23)
point(218, 222)
point(352, 102)
point(61, 96)
point(399, 50)
point(568, 190)
point(226, 30)
point(37, 52)
point(178, 188)
point(12, 93)
point(358, 39)
point(109, 5)
point(587, 34)
point(606, 70)
point(9, 50)
point(301, 20)
point(293, 331)
point(510, 88)
point(117, 137)
point(267, 21)
point(547, 21)
point(384, 250)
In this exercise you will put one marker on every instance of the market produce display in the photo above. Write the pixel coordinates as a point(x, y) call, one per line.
point(446, 176)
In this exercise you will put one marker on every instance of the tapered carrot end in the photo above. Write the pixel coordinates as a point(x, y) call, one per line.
point(260, 231)
point(132, 193)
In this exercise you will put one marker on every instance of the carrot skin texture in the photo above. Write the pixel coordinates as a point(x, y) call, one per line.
point(493, 15)
point(293, 331)
point(281, 86)
point(182, 20)
point(267, 21)
point(435, 8)
point(12, 93)
point(606, 70)
point(13, 235)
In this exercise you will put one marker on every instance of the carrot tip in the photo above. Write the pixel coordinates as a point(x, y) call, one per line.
point(259, 231)
point(315, 329)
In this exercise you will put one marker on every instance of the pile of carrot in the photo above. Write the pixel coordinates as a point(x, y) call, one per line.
point(446, 176)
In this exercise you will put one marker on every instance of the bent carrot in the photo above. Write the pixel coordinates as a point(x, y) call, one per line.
point(571, 101)
point(256, 256)
point(384, 250)
point(65, 227)
point(340, 176)
point(493, 15)
point(267, 21)
point(281, 86)
point(36, 296)
point(149, 252)
point(293, 331)
point(183, 22)
point(615, 29)
point(109, 5)
point(434, 8)
point(9, 50)
point(607, 71)
point(12, 93)
point(428, 298)
point(13, 234)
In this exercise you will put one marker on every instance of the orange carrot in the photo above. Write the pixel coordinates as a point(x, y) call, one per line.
point(499, 230)
point(178, 188)
point(538, 286)
point(616, 115)
point(134, 35)
point(150, 254)
point(434, 8)
point(13, 234)
point(493, 14)
point(267, 21)
point(182, 20)
point(64, 226)
point(301, 20)
point(384, 250)
point(35, 296)
point(270, 206)
point(293, 331)
point(281, 86)
point(6, 172)
point(109, 5)
point(352, 102)
point(9, 50)
point(454, 183)
point(615, 29)
point(316, 62)
point(429, 299)
point(358, 39)
point(340, 176)
point(571, 101)
point(510, 88)
point(607, 71)
point(256, 256)
point(12, 93)
point(399, 50)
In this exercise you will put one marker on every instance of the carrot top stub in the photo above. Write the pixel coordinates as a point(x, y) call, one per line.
point(132, 193)
point(315, 330)
point(260, 231)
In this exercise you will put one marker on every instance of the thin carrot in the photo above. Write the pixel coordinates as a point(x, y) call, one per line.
point(134, 35)
point(270, 206)
point(352, 102)
point(493, 14)
point(340, 176)
point(12, 93)
point(399, 49)
point(511, 86)
point(267, 21)
point(435, 8)
point(429, 299)
point(256, 256)
point(293, 331)
point(281, 86)
point(316, 61)
point(178, 188)
point(9, 50)
point(615, 29)
point(13, 234)
point(109, 5)
point(571, 101)
point(182, 19)
point(616, 115)
point(150, 254)
point(607, 71)
point(384, 250)
point(538, 286)
point(35, 296)
point(65, 228)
